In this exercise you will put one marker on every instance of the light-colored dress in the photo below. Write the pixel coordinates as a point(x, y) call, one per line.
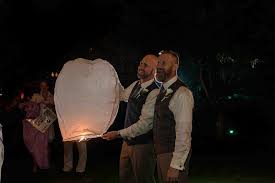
point(35, 141)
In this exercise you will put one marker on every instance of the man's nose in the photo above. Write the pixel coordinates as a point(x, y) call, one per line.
point(159, 65)
point(159, 68)
point(141, 66)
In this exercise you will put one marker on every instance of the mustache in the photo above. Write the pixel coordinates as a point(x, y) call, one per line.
point(160, 70)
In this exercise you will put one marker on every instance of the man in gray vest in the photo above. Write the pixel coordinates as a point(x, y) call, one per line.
point(137, 160)
point(172, 124)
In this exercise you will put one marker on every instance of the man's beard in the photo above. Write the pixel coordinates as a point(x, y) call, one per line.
point(162, 75)
point(143, 75)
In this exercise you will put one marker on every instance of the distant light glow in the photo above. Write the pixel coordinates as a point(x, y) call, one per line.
point(232, 132)
point(22, 95)
point(83, 138)
point(254, 62)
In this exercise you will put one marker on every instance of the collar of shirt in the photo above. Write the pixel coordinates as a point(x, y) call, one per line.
point(170, 82)
point(147, 83)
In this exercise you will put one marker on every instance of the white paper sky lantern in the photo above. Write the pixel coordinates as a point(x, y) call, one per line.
point(86, 98)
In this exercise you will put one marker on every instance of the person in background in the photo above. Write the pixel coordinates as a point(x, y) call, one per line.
point(36, 141)
point(68, 154)
point(46, 98)
point(68, 157)
point(17, 160)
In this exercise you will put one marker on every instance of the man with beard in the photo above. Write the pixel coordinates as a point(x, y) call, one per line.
point(172, 124)
point(137, 160)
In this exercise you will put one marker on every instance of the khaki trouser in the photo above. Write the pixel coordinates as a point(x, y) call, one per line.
point(163, 163)
point(68, 156)
point(137, 163)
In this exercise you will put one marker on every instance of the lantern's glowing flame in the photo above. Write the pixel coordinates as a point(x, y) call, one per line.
point(83, 138)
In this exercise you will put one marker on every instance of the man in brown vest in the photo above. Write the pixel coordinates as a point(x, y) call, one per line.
point(172, 124)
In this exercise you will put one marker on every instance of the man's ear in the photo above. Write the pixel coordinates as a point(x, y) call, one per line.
point(175, 67)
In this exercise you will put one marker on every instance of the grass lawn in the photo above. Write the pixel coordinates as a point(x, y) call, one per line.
point(208, 167)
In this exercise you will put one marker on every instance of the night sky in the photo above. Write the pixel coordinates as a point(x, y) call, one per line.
point(39, 36)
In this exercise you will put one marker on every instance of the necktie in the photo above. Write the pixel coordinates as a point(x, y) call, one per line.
point(161, 93)
point(137, 90)
point(162, 90)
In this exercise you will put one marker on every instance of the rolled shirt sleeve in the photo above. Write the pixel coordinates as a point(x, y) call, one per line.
point(182, 105)
point(125, 93)
point(145, 122)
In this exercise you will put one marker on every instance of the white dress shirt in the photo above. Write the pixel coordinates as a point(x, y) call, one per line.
point(147, 111)
point(181, 105)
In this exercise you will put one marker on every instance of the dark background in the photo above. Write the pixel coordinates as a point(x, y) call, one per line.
point(226, 50)
point(218, 42)
point(39, 36)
